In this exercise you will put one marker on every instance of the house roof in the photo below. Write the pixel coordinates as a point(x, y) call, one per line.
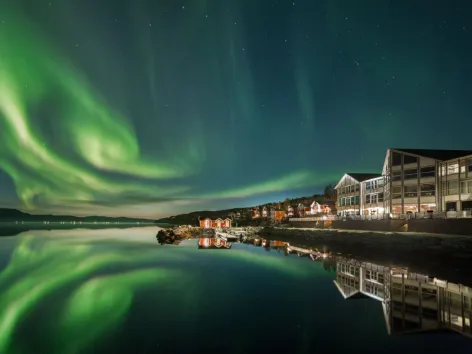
point(361, 177)
point(436, 154)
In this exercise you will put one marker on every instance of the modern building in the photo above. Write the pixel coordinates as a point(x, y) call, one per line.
point(455, 184)
point(355, 189)
point(412, 178)
point(410, 302)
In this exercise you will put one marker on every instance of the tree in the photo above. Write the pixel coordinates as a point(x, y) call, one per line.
point(329, 192)
point(286, 204)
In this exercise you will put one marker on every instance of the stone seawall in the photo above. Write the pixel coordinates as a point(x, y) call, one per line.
point(435, 226)
point(441, 226)
point(371, 225)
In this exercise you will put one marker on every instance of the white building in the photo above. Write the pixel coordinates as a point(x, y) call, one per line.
point(455, 184)
point(360, 194)
point(412, 179)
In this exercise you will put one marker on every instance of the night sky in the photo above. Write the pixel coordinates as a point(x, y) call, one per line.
point(151, 108)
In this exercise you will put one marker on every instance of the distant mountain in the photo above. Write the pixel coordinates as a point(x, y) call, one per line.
point(13, 215)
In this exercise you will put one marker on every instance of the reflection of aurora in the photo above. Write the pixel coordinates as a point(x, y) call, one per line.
point(78, 262)
point(38, 268)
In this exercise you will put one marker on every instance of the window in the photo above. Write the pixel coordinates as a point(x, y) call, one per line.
point(470, 165)
point(444, 188)
point(452, 168)
point(356, 187)
point(396, 176)
point(427, 190)
point(407, 159)
point(367, 199)
point(380, 197)
point(429, 171)
point(373, 198)
point(443, 170)
point(462, 166)
point(367, 186)
point(410, 174)
point(466, 187)
point(380, 182)
point(343, 201)
point(396, 159)
point(353, 200)
point(452, 187)
point(411, 191)
point(397, 192)
point(367, 274)
point(380, 278)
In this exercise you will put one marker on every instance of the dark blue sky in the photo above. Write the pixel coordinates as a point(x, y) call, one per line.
point(154, 107)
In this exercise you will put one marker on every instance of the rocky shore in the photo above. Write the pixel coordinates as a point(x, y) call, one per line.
point(175, 235)
point(444, 256)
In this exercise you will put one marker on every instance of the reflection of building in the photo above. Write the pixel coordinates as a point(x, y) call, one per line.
point(217, 243)
point(209, 223)
point(411, 302)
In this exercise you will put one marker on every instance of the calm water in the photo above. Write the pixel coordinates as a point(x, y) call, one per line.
point(118, 291)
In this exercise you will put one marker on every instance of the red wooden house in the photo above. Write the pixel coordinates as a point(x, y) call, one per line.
point(209, 223)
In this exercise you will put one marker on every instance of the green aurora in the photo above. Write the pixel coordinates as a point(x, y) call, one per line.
point(97, 163)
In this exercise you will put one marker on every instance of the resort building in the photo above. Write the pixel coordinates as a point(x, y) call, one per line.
point(355, 189)
point(455, 184)
point(410, 302)
point(412, 179)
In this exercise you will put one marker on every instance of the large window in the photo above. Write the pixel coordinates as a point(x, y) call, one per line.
point(396, 176)
point(462, 166)
point(357, 200)
point(469, 161)
point(380, 182)
point(380, 197)
point(427, 190)
point(429, 171)
point(410, 174)
point(397, 192)
point(411, 191)
point(466, 187)
point(452, 187)
point(407, 159)
point(452, 168)
point(373, 198)
point(368, 186)
point(396, 159)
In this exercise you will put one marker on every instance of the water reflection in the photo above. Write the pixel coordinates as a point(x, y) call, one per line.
point(119, 291)
point(411, 302)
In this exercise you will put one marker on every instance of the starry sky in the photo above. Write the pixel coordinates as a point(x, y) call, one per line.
point(152, 108)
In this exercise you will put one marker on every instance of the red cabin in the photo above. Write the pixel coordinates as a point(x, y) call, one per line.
point(209, 223)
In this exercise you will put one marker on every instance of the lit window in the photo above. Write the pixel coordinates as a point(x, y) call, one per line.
point(452, 187)
point(452, 168)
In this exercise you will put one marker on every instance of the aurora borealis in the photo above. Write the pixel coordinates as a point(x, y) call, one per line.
point(150, 108)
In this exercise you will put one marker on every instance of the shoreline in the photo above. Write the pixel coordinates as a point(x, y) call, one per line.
point(446, 256)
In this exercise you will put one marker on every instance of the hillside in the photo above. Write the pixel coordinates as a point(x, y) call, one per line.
point(13, 215)
point(192, 218)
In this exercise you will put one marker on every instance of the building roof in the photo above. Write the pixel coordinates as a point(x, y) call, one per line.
point(436, 154)
point(361, 177)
